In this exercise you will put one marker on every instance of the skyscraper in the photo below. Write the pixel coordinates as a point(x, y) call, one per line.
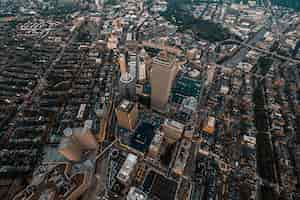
point(163, 72)
point(172, 130)
point(123, 64)
point(127, 114)
point(127, 86)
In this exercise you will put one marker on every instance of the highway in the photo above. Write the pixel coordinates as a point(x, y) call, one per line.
point(264, 51)
point(239, 56)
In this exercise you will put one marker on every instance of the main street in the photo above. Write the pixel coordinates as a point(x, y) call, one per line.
point(41, 83)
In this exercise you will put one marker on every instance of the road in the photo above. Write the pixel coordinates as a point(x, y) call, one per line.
point(41, 82)
point(251, 44)
point(264, 51)
point(237, 58)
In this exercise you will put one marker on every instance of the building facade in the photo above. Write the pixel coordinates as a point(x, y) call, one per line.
point(163, 73)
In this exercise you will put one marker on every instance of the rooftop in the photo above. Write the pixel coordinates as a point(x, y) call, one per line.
point(125, 106)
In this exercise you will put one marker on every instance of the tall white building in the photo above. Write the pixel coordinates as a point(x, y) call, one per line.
point(127, 86)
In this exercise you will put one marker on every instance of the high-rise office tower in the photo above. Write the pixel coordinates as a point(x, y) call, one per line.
point(123, 64)
point(127, 114)
point(172, 130)
point(163, 73)
point(209, 126)
point(141, 67)
point(127, 86)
